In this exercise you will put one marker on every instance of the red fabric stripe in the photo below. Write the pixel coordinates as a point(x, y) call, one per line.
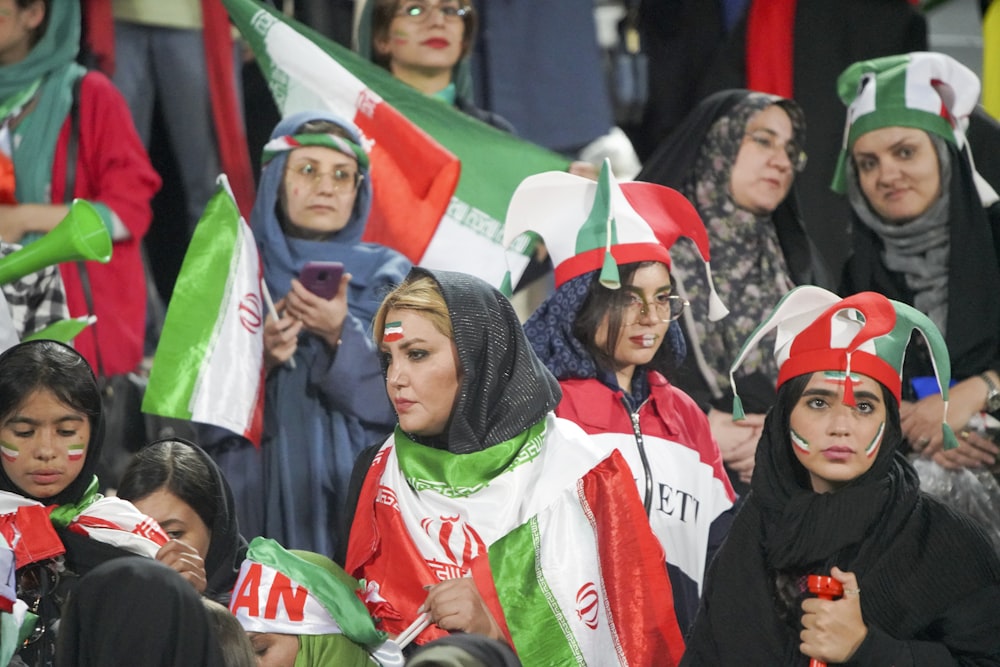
point(592, 260)
point(770, 47)
point(413, 178)
point(636, 586)
point(234, 155)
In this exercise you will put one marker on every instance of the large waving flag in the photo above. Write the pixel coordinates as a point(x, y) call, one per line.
point(598, 604)
point(209, 363)
point(417, 144)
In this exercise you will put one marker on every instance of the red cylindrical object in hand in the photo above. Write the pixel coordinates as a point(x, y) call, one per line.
point(825, 588)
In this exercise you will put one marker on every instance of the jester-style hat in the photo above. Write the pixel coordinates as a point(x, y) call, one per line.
point(865, 333)
point(589, 225)
point(304, 594)
point(927, 91)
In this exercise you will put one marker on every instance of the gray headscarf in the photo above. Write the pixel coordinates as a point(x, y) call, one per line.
point(920, 248)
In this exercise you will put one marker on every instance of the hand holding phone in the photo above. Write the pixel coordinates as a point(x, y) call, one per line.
point(322, 278)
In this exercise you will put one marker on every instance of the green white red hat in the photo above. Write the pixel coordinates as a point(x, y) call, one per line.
point(279, 591)
point(589, 226)
point(865, 333)
point(923, 90)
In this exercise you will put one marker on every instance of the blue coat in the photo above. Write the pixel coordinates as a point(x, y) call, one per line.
point(319, 415)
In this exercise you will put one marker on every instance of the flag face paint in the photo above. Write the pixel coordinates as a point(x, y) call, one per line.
point(9, 451)
point(393, 332)
point(76, 451)
point(800, 443)
point(872, 447)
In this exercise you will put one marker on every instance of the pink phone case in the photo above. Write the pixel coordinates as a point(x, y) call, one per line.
point(322, 278)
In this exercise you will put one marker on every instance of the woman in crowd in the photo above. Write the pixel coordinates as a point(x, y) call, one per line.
point(300, 609)
point(180, 486)
point(132, 611)
point(833, 495)
point(735, 158)
point(69, 134)
point(50, 509)
point(926, 231)
point(324, 394)
point(424, 45)
point(478, 462)
point(612, 343)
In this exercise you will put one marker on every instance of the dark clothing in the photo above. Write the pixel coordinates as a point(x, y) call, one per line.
point(138, 612)
point(929, 579)
point(973, 322)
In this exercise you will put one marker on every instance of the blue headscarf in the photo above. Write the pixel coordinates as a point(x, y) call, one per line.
point(284, 256)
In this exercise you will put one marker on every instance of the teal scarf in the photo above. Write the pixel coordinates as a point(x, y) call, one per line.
point(52, 62)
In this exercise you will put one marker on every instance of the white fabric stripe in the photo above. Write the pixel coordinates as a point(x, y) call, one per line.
point(314, 79)
point(316, 620)
point(575, 585)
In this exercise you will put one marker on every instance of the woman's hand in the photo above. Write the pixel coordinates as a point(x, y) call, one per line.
point(281, 337)
point(737, 440)
point(832, 630)
point(320, 316)
point(921, 424)
point(183, 559)
point(456, 606)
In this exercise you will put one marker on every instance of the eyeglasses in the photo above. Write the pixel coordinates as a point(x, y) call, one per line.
point(767, 142)
point(667, 307)
point(420, 12)
point(307, 175)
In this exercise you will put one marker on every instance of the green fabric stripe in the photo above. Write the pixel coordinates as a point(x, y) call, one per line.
point(63, 330)
point(326, 141)
point(195, 308)
point(64, 514)
point(891, 117)
point(593, 233)
point(515, 563)
point(333, 593)
point(426, 468)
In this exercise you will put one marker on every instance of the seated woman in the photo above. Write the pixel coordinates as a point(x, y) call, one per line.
point(481, 481)
point(324, 399)
point(612, 343)
point(735, 158)
point(301, 609)
point(832, 495)
point(179, 485)
point(926, 231)
point(50, 511)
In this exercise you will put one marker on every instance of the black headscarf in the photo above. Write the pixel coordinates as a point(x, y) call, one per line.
point(47, 364)
point(504, 387)
point(973, 323)
point(227, 547)
point(921, 567)
point(136, 611)
point(464, 650)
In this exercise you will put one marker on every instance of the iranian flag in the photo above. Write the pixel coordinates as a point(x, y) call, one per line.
point(441, 179)
point(209, 363)
point(611, 604)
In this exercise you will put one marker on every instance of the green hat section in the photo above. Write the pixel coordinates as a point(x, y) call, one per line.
point(600, 230)
point(927, 91)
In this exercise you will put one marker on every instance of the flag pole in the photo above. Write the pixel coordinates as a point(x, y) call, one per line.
point(274, 311)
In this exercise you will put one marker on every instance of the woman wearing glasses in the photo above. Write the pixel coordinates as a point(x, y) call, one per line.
point(424, 44)
point(608, 335)
point(325, 397)
point(735, 158)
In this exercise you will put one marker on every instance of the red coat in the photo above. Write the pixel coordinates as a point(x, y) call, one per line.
point(112, 168)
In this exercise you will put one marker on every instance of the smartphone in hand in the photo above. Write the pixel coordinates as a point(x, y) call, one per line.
point(322, 278)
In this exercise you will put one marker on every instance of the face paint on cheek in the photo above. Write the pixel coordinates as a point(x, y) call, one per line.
point(800, 443)
point(393, 332)
point(873, 446)
point(76, 452)
point(9, 452)
point(400, 37)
